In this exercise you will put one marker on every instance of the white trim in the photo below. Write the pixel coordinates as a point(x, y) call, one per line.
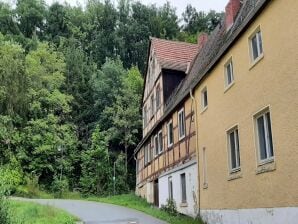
point(226, 84)
point(238, 162)
point(203, 106)
point(261, 113)
point(168, 133)
point(180, 112)
point(279, 215)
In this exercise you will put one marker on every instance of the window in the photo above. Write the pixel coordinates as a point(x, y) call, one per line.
point(183, 188)
point(157, 97)
point(181, 124)
point(145, 115)
point(145, 155)
point(152, 106)
point(229, 73)
point(148, 153)
point(160, 143)
point(170, 134)
point(205, 181)
point(204, 98)
point(256, 45)
point(170, 188)
point(156, 145)
point(264, 136)
point(234, 153)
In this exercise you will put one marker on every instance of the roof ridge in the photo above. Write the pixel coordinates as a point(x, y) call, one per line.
point(174, 41)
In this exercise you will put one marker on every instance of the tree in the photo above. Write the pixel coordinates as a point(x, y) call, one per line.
point(96, 171)
point(31, 16)
point(125, 112)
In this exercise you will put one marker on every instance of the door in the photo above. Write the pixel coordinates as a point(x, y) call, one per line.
point(156, 198)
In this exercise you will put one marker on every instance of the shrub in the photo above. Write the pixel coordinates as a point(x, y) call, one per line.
point(4, 210)
point(60, 187)
point(170, 207)
point(32, 186)
point(10, 178)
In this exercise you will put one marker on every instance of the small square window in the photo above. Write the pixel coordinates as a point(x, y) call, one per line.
point(256, 45)
point(229, 73)
point(233, 147)
point(181, 124)
point(170, 134)
point(204, 98)
point(264, 136)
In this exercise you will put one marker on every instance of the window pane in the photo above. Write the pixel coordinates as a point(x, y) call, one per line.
point(160, 142)
point(170, 188)
point(183, 187)
point(205, 98)
point(238, 150)
point(229, 73)
point(270, 150)
point(260, 42)
point(261, 135)
point(156, 146)
point(170, 130)
point(233, 150)
point(254, 46)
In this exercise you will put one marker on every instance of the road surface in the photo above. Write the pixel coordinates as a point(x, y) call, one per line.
point(98, 213)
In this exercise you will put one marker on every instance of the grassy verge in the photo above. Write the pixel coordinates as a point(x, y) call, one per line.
point(132, 201)
point(27, 212)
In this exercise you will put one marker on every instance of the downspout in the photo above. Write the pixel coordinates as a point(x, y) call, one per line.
point(197, 150)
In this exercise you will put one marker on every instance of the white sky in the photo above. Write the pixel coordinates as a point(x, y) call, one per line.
point(201, 5)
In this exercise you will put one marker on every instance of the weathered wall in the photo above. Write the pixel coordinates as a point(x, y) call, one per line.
point(190, 170)
point(273, 83)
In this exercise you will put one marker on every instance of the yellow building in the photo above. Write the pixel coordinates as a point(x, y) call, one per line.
point(247, 116)
point(239, 94)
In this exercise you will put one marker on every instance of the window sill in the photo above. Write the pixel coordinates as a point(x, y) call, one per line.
point(204, 109)
point(181, 138)
point(170, 146)
point(266, 166)
point(256, 61)
point(229, 86)
point(183, 204)
point(205, 185)
point(235, 175)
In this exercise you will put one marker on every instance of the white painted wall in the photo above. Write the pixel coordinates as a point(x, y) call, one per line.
point(287, 215)
point(191, 188)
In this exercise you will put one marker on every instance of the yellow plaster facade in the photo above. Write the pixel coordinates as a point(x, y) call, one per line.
point(270, 83)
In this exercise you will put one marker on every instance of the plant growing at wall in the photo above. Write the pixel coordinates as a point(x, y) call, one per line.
point(170, 207)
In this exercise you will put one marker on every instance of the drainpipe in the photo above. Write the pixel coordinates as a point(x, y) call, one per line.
point(197, 150)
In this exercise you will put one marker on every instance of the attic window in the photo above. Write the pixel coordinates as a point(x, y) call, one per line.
point(157, 97)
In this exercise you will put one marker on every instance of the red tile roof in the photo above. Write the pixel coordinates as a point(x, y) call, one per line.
point(174, 54)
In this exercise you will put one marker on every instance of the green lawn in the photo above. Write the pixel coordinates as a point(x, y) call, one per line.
point(132, 201)
point(32, 213)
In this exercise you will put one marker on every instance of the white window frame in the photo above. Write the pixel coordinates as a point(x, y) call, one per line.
point(160, 144)
point(229, 63)
point(260, 50)
point(158, 97)
point(181, 183)
point(260, 114)
point(156, 145)
point(237, 150)
point(168, 133)
point(204, 104)
point(181, 135)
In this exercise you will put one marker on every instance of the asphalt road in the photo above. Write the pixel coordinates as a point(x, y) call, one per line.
point(99, 213)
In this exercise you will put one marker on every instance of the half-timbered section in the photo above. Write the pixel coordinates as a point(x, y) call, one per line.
point(166, 163)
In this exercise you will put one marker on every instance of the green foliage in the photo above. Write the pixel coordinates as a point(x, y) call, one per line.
point(59, 187)
point(27, 212)
point(170, 207)
point(32, 186)
point(4, 208)
point(10, 176)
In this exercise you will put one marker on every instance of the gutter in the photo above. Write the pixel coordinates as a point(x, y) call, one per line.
point(197, 150)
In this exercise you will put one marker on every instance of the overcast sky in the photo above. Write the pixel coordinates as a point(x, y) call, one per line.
point(201, 5)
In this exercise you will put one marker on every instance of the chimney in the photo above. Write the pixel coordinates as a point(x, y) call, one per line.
point(232, 10)
point(202, 39)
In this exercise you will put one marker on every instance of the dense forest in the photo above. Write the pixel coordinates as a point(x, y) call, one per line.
point(71, 82)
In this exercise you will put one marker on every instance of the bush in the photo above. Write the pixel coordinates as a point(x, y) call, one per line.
point(32, 186)
point(170, 207)
point(10, 178)
point(4, 210)
point(59, 187)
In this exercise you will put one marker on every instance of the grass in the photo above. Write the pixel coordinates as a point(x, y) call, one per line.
point(32, 213)
point(135, 202)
